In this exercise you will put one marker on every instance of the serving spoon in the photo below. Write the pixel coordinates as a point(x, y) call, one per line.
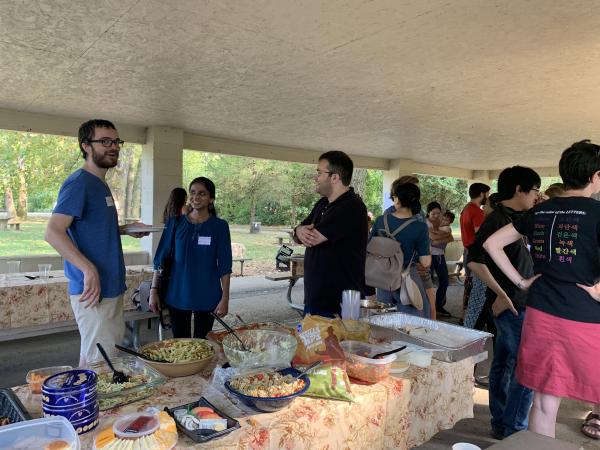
point(389, 352)
point(230, 330)
point(118, 376)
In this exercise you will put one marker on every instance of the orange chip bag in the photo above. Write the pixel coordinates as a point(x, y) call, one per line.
point(318, 340)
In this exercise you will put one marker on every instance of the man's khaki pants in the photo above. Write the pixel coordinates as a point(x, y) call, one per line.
point(103, 323)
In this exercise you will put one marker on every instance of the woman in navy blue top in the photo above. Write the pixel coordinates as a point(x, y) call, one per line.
point(414, 240)
point(201, 270)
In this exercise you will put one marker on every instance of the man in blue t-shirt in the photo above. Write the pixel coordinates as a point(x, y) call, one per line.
point(84, 230)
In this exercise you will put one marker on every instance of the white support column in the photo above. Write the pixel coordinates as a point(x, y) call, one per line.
point(162, 158)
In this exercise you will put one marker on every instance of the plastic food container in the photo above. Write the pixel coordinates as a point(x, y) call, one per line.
point(36, 377)
point(203, 435)
point(361, 366)
point(111, 396)
point(11, 409)
point(39, 434)
point(266, 348)
point(356, 330)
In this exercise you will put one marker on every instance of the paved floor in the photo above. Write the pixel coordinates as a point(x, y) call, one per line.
point(254, 299)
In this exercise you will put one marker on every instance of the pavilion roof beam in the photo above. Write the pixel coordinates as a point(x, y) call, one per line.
point(233, 147)
point(61, 125)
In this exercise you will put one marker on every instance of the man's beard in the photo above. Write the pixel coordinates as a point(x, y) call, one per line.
point(103, 161)
point(483, 201)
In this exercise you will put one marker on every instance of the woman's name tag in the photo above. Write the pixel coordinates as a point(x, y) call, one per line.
point(204, 240)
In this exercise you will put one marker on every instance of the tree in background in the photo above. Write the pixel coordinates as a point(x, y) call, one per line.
point(32, 167)
point(451, 193)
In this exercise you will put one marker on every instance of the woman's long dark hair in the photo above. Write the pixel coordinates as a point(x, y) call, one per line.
point(210, 187)
point(175, 203)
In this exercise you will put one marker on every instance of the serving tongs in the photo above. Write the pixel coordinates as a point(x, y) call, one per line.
point(230, 330)
point(118, 376)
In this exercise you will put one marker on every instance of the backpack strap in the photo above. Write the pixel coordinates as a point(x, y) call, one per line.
point(397, 230)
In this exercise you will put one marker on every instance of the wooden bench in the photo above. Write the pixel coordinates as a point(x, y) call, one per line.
point(11, 334)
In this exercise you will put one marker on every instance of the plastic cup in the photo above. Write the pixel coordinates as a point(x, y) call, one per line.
point(14, 267)
point(350, 304)
point(44, 271)
point(465, 446)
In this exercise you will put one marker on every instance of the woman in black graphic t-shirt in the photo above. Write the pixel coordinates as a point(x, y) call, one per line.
point(561, 332)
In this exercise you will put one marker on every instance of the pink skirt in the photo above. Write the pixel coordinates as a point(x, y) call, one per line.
point(559, 356)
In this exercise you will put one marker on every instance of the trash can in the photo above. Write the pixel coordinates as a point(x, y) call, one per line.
point(255, 227)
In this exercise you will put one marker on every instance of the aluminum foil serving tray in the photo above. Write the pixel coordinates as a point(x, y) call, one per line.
point(450, 343)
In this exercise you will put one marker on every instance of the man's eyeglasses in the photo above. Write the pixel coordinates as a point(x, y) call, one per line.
point(107, 142)
point(321, 172)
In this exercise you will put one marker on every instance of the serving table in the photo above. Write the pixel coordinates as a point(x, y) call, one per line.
point(398, 413)
point(37, 307)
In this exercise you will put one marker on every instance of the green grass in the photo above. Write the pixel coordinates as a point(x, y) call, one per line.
point(29, 240)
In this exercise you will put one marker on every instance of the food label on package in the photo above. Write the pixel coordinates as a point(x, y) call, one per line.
point(311, 337)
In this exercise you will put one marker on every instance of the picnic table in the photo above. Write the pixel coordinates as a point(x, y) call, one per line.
point(38, 307)
point(400, 412)
point(292, 276)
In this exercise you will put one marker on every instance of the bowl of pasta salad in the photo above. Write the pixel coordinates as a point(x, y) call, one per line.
point(268, 391)
point(179, 357)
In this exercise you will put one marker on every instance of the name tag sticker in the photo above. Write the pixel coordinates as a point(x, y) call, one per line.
point(109, 201)
point(204, 240)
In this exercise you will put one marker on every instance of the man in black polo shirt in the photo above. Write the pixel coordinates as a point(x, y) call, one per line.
point(509, 401)
point(335, 235)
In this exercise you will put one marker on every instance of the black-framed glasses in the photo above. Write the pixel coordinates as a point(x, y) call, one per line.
point(107, 142)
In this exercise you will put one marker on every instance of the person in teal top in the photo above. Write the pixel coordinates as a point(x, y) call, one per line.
point(414, 240)
point(201, 270)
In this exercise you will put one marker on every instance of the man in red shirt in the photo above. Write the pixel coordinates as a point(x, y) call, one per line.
point(471, 218)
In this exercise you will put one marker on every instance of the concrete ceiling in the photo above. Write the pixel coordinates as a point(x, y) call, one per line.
point(470, 84)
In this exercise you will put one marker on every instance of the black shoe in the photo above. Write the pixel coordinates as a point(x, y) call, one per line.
point(442, 312)
point(482, 380)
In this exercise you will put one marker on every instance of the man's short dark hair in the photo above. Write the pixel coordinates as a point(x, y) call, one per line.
point(514, 176)
point(87, 129)
point(476, 189)
point(579, 163)
point(339, 163)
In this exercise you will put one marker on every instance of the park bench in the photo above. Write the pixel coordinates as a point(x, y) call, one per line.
point(6, 222)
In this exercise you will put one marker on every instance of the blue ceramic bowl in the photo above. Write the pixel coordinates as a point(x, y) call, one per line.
point(270, 404)
point(70, 388)
point(82, 420)
point(83, 405)
point(76, 415)
point(68, 399)
point(71, 380)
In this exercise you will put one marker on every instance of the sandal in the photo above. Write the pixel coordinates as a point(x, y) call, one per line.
point(587, 423)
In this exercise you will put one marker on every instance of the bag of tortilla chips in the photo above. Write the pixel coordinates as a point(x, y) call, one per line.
point(319, 340)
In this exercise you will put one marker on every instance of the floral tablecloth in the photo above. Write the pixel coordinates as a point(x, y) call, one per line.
point(25, 302)
point(397, 413)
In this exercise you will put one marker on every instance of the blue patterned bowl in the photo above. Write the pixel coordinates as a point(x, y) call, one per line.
point(70, 380)
point(69, 388)
point(270, 404)
point(83, 419)
point(73, 407)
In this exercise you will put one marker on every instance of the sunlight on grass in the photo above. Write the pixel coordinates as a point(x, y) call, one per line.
point(29, 240)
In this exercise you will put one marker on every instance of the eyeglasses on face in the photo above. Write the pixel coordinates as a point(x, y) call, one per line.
point(321, 172)
point(107, 142)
